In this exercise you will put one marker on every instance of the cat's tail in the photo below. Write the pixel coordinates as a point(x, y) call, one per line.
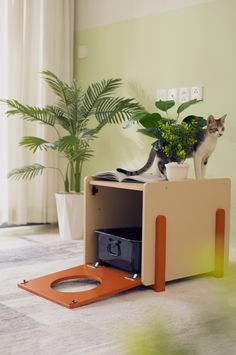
point(142, 170)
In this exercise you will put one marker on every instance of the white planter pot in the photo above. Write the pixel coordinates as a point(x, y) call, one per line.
point(176, 172)
point(70, 213)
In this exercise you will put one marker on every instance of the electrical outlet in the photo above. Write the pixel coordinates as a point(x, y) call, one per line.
point(161, 94)
point(173, 94)
point(196, 93)
point(184, 95)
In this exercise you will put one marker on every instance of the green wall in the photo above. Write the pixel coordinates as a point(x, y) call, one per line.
point(187, 47)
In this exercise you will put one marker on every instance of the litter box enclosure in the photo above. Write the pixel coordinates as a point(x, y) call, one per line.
point(183, 227)
point(185, 224)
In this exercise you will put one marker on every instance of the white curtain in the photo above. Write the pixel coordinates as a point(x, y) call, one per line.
point(35, 35)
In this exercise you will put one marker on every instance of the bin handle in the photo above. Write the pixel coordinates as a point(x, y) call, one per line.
point(112, 245)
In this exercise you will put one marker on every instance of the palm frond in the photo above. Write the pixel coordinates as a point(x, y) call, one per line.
point(115, 110)
point(95, 92)
point(74, 118)
point(70, 120)
point(74, 148)
point(61, 118)
point(81, 154)
point(67, 94)
point(67, 143)
point(27, 172)
point(30, 113)
point(58, 86)
point(88, 134)
point(35, 143)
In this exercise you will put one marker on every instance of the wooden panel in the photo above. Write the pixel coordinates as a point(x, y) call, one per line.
point(111, 282)
point(118, 185)
point(190, 209)
point(108, 208)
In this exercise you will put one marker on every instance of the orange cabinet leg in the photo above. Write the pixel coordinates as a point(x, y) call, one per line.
point(160, 254)
point(219, 243)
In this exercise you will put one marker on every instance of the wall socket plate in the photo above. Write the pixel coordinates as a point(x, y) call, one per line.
point(173, 94)
point(196, 93)
point(184, 95)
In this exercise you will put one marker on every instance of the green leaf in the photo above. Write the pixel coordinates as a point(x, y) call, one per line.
point(150, 120)
point(62, 119)
point(185, 105)
point(137, 116)
point(88, 134)
point(34, 143)
point(97, 92)
point(73, 148)
point(197, 121)
point(81, 155)
point(30, 113)
point(26, 172)
point(115, 109)
point(164, 105)
point(67, 143)
point(67, 94)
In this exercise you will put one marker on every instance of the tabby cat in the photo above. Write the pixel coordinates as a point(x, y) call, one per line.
point(206, 140)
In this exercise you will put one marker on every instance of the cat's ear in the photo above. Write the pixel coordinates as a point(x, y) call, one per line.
point(222, 119)
point(211, 120)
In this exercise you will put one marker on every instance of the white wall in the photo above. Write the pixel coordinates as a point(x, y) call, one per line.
point(93, 13)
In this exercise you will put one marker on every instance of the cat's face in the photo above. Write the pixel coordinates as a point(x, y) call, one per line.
point(216, 127)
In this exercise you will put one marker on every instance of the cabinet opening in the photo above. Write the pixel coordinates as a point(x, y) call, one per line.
point(119, 210)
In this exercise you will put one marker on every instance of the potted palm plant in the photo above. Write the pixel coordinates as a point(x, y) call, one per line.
point(174, 138)
point(71, 117)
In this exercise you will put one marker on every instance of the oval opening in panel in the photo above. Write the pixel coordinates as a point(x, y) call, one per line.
point(76, 285)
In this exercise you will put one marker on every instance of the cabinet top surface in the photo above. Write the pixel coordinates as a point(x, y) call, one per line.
point(118, 185)
point(141, 186)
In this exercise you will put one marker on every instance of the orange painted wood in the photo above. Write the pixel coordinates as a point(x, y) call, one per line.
point(112, 281)
point(160, 254)
point(219, 243)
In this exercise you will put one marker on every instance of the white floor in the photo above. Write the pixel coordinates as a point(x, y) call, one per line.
point(199, 314)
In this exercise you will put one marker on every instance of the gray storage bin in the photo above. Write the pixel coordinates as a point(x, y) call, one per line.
point(121, 247)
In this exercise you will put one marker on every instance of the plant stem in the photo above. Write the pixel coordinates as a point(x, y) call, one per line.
point(72, 176)
point(78, 168)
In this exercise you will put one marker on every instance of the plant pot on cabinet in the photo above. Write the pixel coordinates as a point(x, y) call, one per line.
point(176, 171)
point(70, 212)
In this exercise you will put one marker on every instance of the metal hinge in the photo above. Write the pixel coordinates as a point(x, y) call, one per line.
point(132, 278)
point(94, 266)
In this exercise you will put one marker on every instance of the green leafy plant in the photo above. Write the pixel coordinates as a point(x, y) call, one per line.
point(174, 139)
point(71, 120)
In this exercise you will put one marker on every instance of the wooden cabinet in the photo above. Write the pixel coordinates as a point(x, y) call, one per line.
point(189, 208)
